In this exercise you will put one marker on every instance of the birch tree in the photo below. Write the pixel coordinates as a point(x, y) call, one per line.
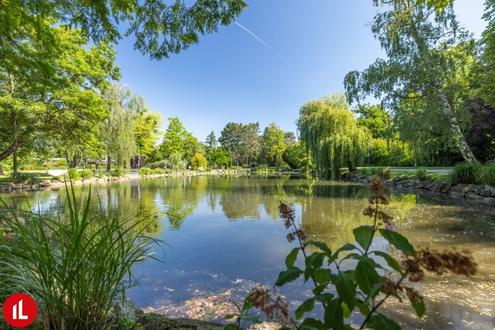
point(416, 38)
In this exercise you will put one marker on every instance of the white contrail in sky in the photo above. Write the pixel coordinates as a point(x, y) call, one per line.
point(257, 38)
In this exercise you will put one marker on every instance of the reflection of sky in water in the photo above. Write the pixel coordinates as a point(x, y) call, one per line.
point(224, 233)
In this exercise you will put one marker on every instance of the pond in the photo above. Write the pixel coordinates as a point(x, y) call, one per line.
point(223, 235)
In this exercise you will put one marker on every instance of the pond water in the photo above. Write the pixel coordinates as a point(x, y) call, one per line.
point(223, 235)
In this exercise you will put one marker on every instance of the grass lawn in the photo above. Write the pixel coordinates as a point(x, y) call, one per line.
point(441, 174)
point(35, 174)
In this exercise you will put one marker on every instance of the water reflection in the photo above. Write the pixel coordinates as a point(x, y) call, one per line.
point(224, 235)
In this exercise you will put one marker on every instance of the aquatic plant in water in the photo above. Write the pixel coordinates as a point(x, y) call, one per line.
point(343, 289)
point(75, 268)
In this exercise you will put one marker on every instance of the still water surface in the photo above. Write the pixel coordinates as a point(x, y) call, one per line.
point(223, 235)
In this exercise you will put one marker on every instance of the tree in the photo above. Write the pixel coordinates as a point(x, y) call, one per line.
point(219, 158)
point(484, 83)
point(160, 28)
point(376, 120)
point(146, 126)
point(482, 130)
point(273, 144)
point(296, 156)
point(199, 161)
point(329, 132)
point(242, 141)
point(211, 141)
point(117, 131)
point(174, 139)
point(58, 97)
point(290, 138)
point(417, 40)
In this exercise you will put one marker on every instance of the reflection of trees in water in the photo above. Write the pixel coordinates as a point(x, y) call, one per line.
point(333, 219)
point(181, 196)
point(241, 198)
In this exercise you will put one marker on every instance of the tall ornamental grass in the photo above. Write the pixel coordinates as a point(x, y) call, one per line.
point(77, 268)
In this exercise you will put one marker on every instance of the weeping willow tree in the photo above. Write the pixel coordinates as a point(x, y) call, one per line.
point(331, 135)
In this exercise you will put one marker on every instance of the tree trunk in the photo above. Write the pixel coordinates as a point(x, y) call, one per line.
point(459, 138)
point(14, 163)
point(109, 163)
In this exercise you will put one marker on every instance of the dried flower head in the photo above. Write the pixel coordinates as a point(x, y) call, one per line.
point(378, 189)
point(412, 269)
point(272, 307)
point(287, 214)
point(461, 263)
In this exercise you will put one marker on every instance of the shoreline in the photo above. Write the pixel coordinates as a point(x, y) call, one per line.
point(478, 197)
point(57, 184)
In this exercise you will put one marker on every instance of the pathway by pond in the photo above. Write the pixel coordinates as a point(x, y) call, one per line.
point(223, 235)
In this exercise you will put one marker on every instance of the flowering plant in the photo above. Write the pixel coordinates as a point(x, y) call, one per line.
point(354, 277)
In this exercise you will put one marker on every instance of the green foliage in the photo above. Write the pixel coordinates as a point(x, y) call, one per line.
point(73, 174)
point(199, 162)
point(428, 62)
point(421, 173)
point(487, 175)
point(86, 174)
point(159, 28)
point(219, 158)
point(242, 141)
point(330, 133)
point(150, 171)
point(178, 144)
point(77, 269)
point(146, 125)
point(273, 145)
point(466, 173)
point(118, 172)
point(296, 156)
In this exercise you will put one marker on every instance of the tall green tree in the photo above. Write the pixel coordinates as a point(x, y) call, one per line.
point(331, 135)
point(273, 144)
point(242, 141)
point(146, 128)
point(485, 70)
point(416, 39)
point(117, 130)
point(211, 141)
point(61, 103)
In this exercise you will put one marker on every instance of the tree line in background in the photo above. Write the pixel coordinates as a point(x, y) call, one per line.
point(60, 95)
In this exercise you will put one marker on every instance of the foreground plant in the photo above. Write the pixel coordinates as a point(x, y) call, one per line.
point(77, 268)
point(354, 279)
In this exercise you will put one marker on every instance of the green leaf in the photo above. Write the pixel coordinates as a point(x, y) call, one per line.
point(325, 298)
point(291, 257)
point(311, 323)
point(418, 304)
point(346, 288)
point(315, 260)
point(381, 322)
point(363, 235)
point(334, 315)
point(364, 309)
point(399, 241)
point(322, 246)
point(288, 275)
point(394, 264)
point(305, 307)
point(322, 275)
point(345, 247)
point(366, 276)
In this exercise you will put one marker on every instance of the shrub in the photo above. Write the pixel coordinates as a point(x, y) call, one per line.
point(350, 279)
point(161, 171)
point(467, 173)
point(199, 162)
point(118, 172)
point(366, 171)
point(383, 172)
point(74, 174)
point(160, 164)
point(75, 269)
point(487, 175)
point(86, 174)
point(421, 173)
point(145, 171)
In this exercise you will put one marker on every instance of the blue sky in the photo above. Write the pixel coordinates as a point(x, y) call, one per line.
point(231, 76)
